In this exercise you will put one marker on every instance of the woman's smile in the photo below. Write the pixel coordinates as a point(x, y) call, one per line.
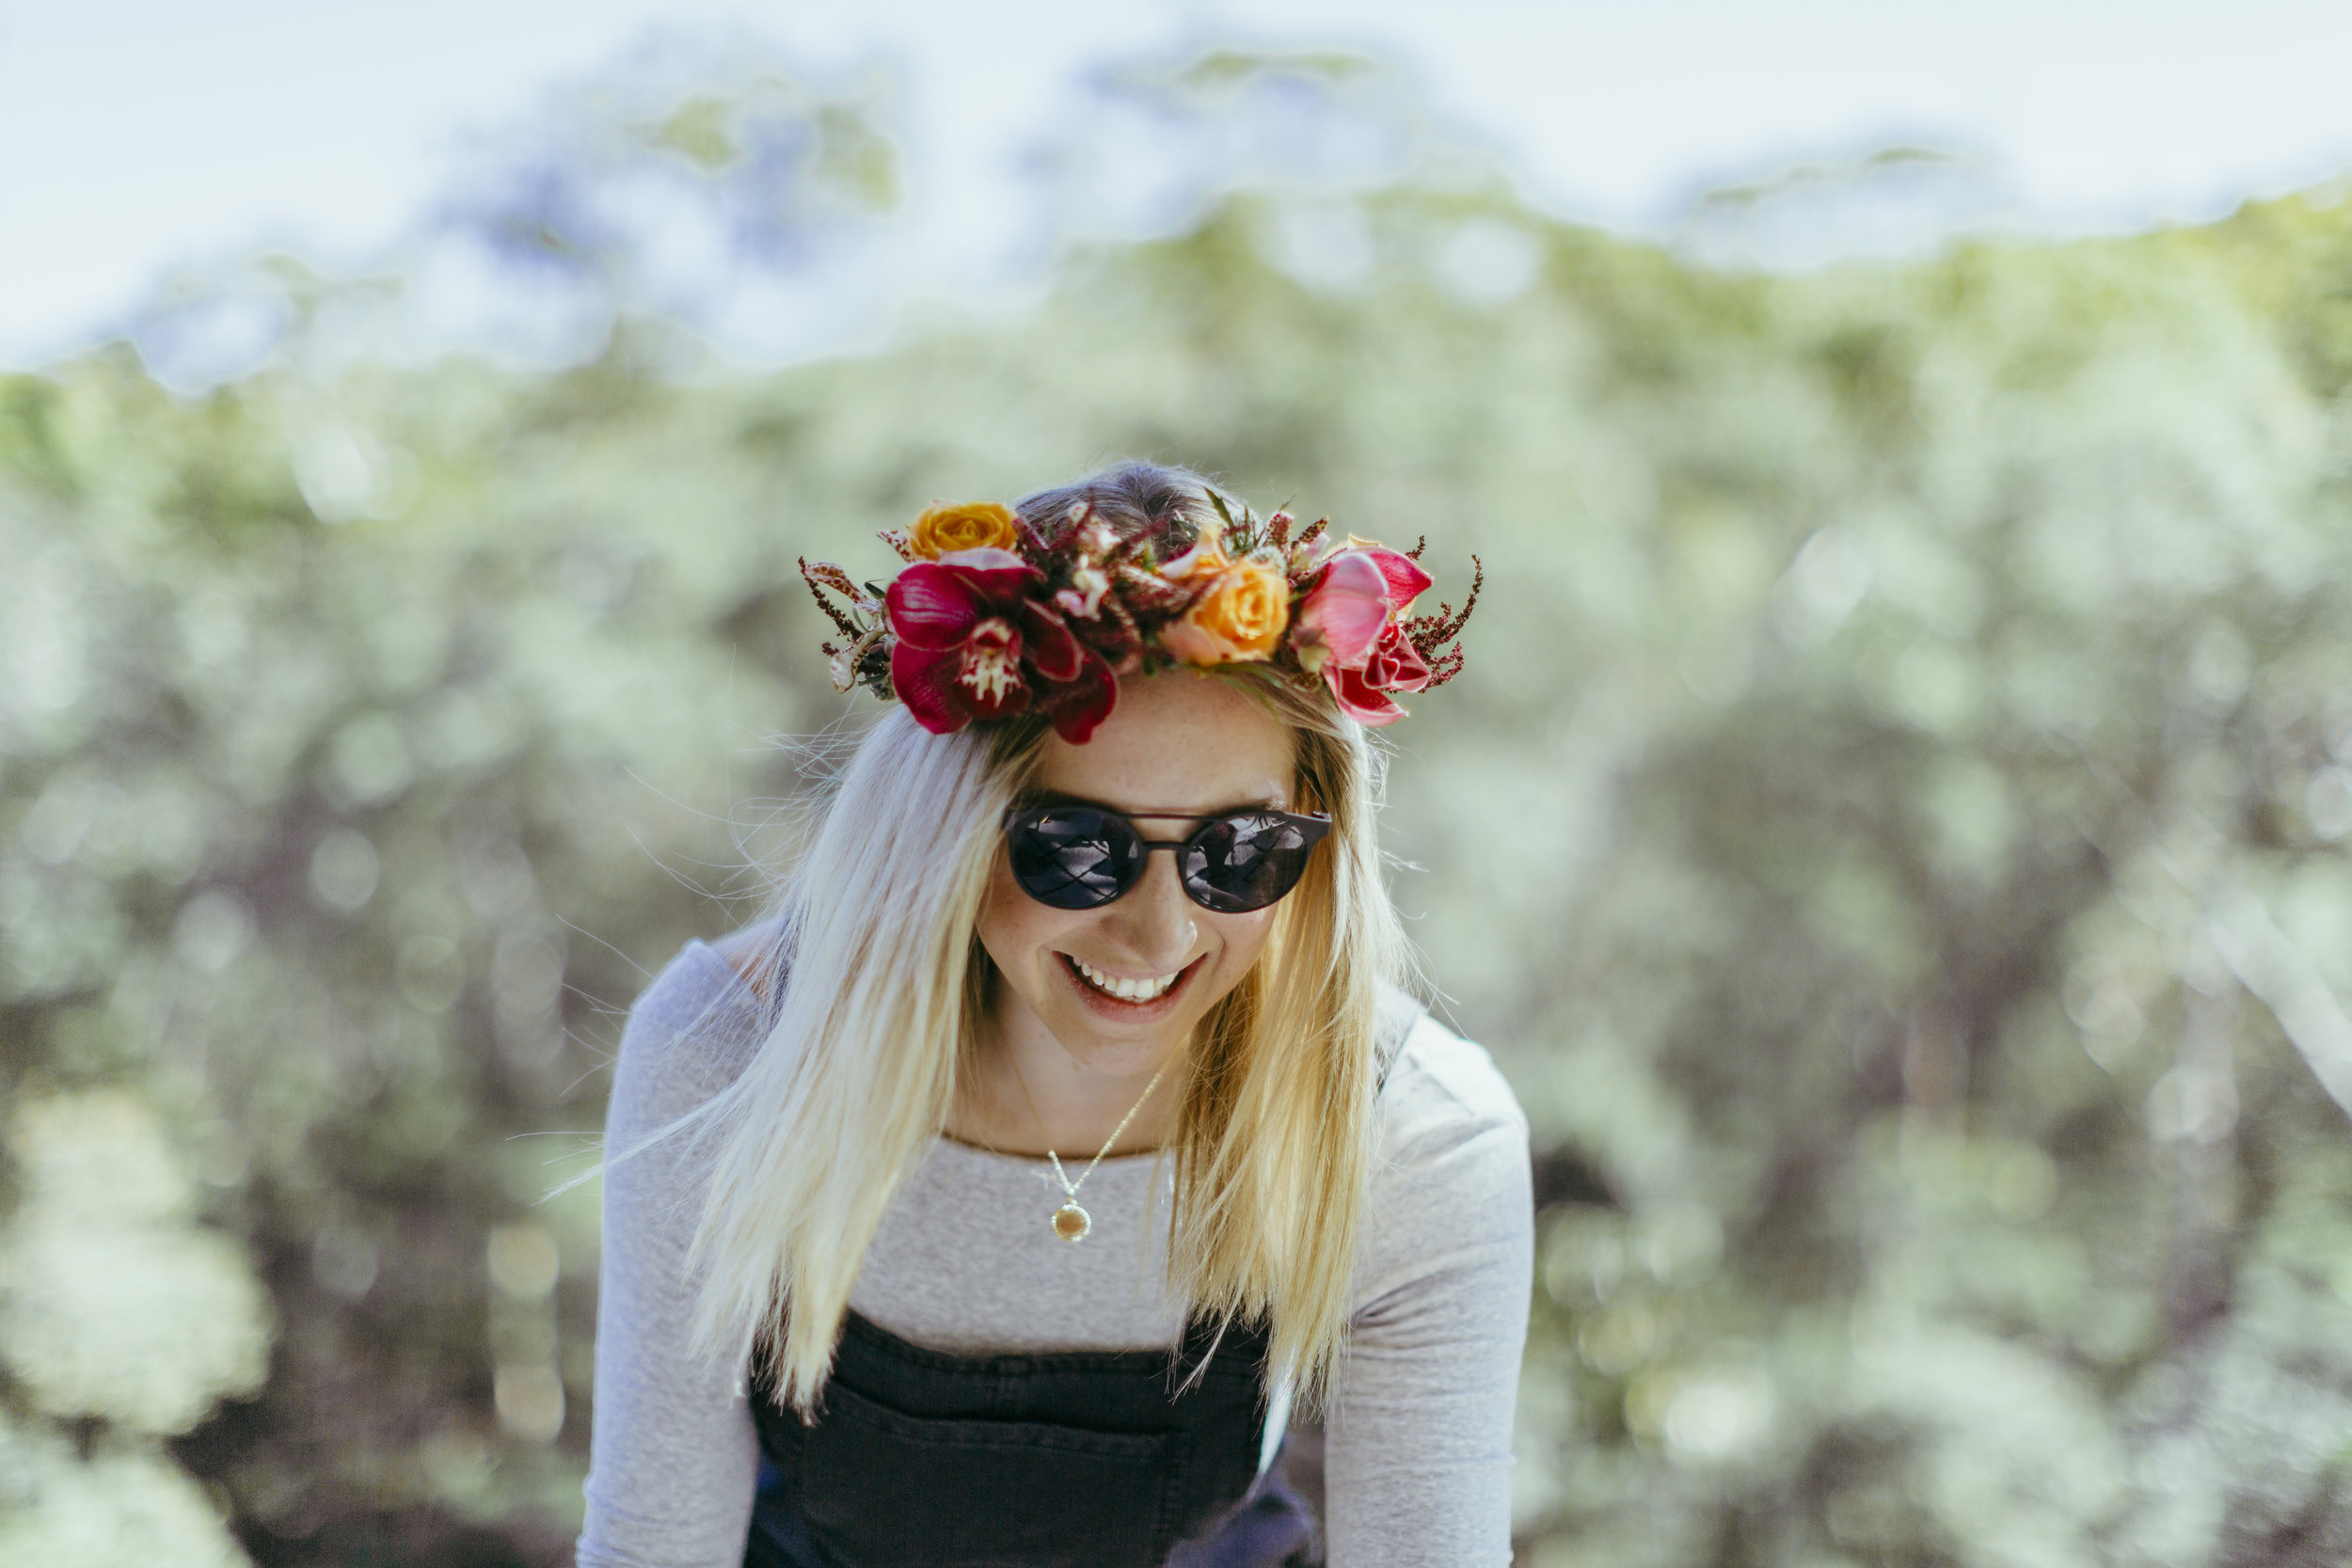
point(1126, 995)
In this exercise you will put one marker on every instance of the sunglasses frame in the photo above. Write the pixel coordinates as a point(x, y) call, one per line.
point(1315, 825)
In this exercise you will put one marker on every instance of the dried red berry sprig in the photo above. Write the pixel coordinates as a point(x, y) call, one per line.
point(1430, 634)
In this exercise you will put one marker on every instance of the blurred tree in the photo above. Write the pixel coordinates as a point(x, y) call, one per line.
point(1891, 833)
point(727, 198)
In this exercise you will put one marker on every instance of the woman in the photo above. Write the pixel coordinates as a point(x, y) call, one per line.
point(989, 1202)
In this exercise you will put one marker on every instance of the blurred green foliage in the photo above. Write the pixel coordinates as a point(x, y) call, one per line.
point(1890, 832)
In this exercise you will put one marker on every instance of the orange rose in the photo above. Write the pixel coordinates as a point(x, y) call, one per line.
point(1240, 616)
point(974, 526)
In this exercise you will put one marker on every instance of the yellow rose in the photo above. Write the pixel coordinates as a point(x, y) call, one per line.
point(1240, 617)
point(974, 526)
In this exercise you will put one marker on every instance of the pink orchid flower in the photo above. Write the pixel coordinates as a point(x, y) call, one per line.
point(1348, 631)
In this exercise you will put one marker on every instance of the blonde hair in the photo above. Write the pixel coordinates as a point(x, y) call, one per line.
point(884, 986)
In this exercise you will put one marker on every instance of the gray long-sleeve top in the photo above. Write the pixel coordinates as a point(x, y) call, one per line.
point(1418, 1431)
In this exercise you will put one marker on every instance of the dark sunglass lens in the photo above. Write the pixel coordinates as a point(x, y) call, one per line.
point(1074, 859)
point(1245, 862)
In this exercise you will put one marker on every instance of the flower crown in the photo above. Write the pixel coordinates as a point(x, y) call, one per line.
point(992, 617)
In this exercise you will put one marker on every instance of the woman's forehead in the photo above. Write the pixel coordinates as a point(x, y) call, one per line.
point(1180, 741)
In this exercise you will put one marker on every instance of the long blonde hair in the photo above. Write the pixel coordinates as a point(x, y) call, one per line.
point(883, 989)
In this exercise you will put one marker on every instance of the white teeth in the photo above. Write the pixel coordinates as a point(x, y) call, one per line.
point(1126, 991)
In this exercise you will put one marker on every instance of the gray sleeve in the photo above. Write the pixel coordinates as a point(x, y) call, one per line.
point(1418, 1435)
point(673, 1453)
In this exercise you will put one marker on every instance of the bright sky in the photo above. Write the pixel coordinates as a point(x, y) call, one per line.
point(138, 137)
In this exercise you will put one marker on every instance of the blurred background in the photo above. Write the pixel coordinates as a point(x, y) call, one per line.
point(1891, 831)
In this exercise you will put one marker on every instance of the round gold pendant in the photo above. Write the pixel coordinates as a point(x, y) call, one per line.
point(1071, 1222)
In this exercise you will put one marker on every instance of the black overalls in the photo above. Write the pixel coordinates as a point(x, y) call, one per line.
point(1063, 1459)
point(1067, 1459)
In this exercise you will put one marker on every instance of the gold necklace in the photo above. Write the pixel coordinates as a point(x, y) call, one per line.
point(1071, 1222)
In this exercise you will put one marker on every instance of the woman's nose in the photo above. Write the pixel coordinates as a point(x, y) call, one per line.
point(1154, 921)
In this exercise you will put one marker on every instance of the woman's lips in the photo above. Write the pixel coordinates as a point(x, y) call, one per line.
point(1118, 1007)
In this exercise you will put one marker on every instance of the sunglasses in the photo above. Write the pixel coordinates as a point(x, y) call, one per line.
point(1079, 857)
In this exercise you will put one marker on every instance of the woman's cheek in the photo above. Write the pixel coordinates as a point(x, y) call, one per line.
point(1243, 937)
point(1004, 917)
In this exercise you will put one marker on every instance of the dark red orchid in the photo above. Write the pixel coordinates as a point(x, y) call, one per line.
point(1346, 630)
point(1394, 665)
point(971, 642)
point(1074, 707)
